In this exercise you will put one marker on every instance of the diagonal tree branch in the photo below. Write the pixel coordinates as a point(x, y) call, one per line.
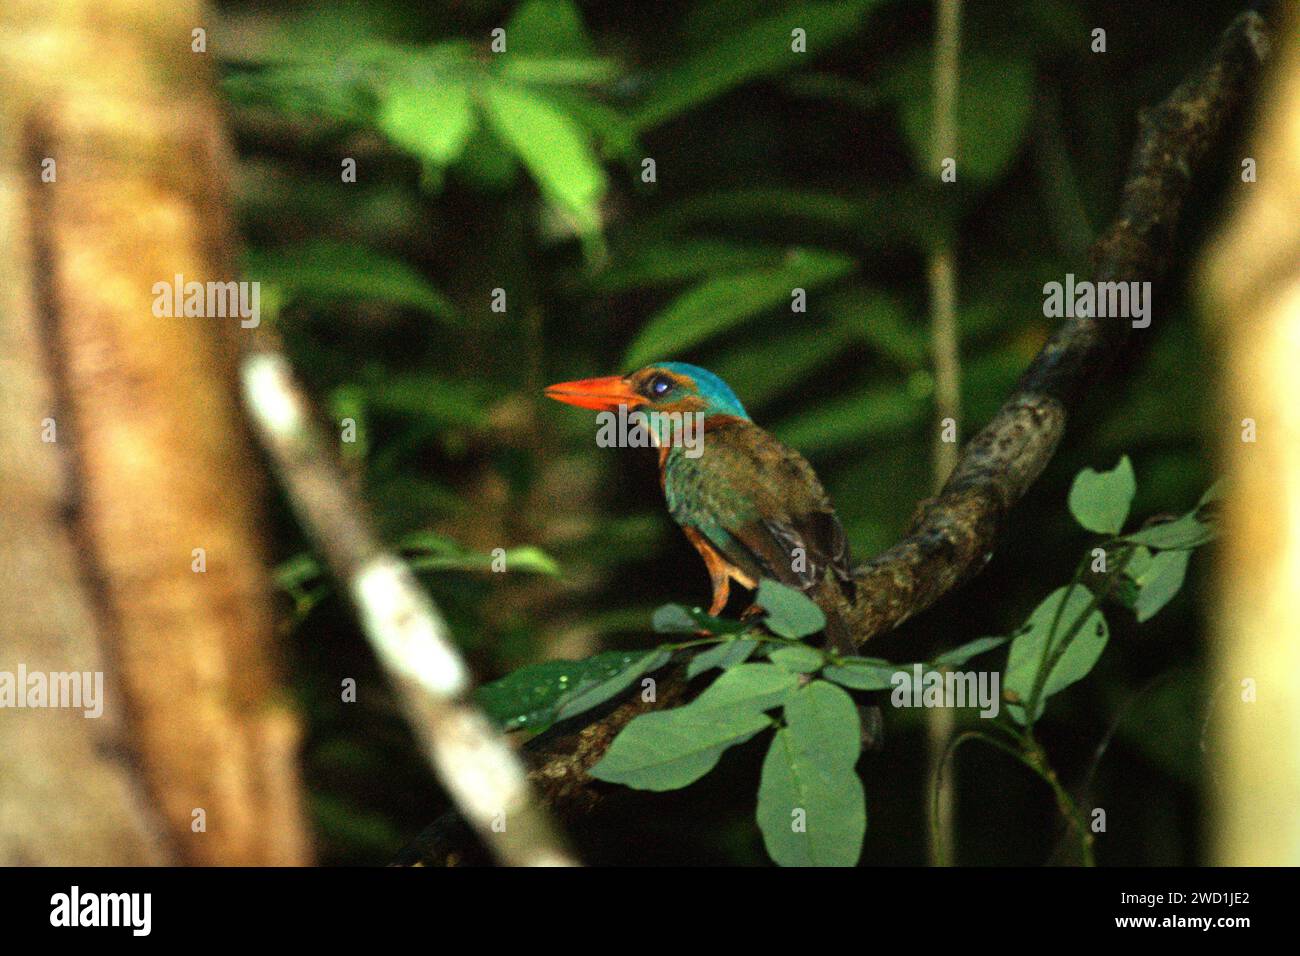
point(953, 534)
point(472, 758)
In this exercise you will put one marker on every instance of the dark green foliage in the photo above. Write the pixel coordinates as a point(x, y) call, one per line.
point(811, 807)
point(523, 171)
point(533, 697)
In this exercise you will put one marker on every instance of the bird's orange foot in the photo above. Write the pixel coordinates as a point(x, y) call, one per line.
point(720, 594)
point(721, 591)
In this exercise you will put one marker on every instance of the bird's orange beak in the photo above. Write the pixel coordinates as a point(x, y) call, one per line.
point(602, 394)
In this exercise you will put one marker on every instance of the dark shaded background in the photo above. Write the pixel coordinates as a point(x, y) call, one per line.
point(384, 286)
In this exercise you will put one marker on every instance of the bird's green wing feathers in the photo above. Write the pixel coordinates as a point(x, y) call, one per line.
point(759, 503)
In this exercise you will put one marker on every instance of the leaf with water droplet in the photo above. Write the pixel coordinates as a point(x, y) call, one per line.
point(679, 619)
point(531, 697)
point(597, 692)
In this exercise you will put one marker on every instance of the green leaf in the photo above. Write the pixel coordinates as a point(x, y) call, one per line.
point(1124, 592)
point(811, 805)
point(754, 687)
point(723, 302)
point(1213, 493)
point(323, 271)
point(754, 49)
point(1137, 564)
point(790, 613)
point(558, 71)
point(960, 655)
point(606, 124)
point(677, 619)
point(881, 321)
point(670, 749)
point(726, 656)
point(825, 717)
point(532, 559)
point(547, 28)
point(430, 541)
point(554, 148)
point(1159, 582)
point(874, 413)
point(673, 619)
point(530, 696)
point(873, 673)
point(799, 658)
point(674, 748)
point(426, 396)
point(585, 698)
point(1100, 500)
point(671, 261)
point(1185, 532)
point(766, 367)
point(334, 91)
point(528, 559)
point(1027, 649)
point(434, 122)
point(994, 104)
point(864, 673)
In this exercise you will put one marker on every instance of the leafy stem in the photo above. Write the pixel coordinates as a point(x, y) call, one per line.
point(1029, 752)
point(751, 635)
point(1035, 757)
point(1054, 651)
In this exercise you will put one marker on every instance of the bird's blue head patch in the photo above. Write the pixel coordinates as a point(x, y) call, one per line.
point(717, 393)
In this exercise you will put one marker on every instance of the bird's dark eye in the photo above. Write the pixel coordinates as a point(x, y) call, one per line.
point(660, 385)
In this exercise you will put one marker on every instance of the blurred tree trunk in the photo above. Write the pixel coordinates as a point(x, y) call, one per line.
point(151, 460)
point(1253, 281)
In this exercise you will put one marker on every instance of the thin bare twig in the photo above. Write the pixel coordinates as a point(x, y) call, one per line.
point(945, 344)
point(942, 266)
point(473, 760)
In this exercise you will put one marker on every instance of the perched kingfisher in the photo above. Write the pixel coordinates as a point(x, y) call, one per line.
point(752, 507)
